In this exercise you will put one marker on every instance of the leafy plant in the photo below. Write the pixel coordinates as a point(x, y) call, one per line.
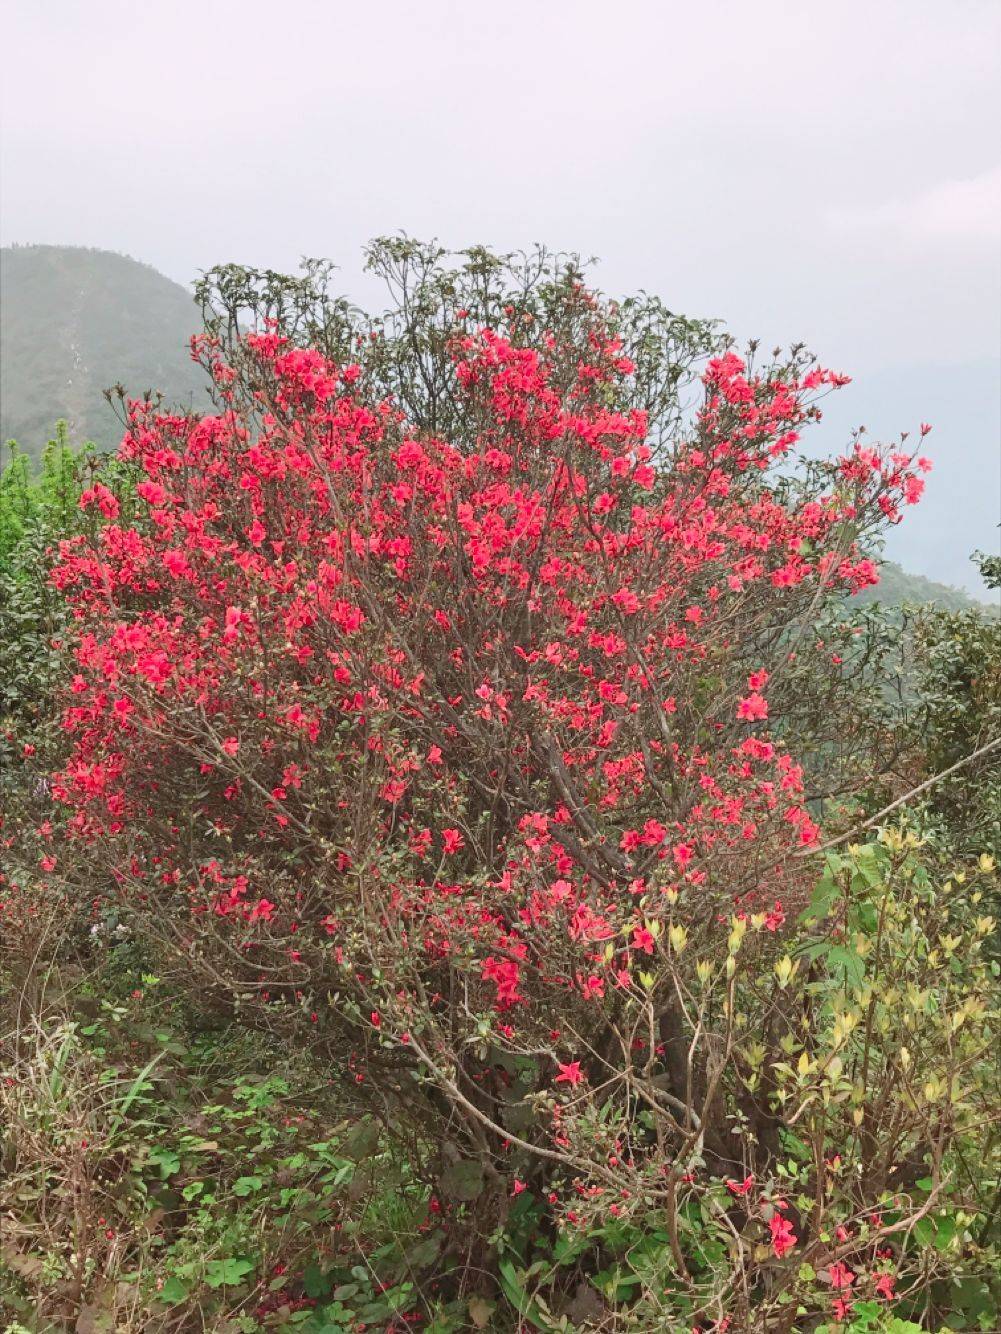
point(461, 737)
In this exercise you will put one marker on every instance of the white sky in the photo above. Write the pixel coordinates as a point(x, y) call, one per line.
point(824, 172)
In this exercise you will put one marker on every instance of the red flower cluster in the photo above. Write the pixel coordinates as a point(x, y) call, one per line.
point(478, 700)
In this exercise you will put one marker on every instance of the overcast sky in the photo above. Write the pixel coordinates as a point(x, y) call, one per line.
point(830, 173)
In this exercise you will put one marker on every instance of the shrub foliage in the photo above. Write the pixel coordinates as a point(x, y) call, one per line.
point(464, 699)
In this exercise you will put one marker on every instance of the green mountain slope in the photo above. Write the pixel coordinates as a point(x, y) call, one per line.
point(896, 587)
point(74, 322)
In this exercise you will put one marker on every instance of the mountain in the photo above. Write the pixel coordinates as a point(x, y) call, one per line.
point(896, 586)
point(74, 322)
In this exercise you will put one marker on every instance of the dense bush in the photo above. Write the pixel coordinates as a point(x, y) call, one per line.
point(461, 701)
point(958, 714)
point(158, 1171)
point(36, 511)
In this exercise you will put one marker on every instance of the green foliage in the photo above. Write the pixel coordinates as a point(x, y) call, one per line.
point(151, 1171)
point(958, 687)
point(990, 569)
point(47, 498)
point(163, 1175)
point(38, 509)
point(885, 1084)
point(34, 514)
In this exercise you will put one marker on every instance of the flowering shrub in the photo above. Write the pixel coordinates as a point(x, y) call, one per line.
point(461, 694)
point(857, 1079)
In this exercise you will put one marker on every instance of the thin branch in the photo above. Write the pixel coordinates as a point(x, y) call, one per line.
point(908, 796)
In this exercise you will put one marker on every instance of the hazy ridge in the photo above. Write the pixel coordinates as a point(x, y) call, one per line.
point(76, 321)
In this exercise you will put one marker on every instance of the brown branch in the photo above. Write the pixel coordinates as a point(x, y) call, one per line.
point(908, 796)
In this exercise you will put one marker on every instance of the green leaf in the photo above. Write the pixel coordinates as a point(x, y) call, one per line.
point(315, 1282)
point(246, 1185)
point(167, 1160)
point(868, 918)
point(866, 1312)
point(226, 1273)
point(822, 900)
point(849, 962)
point(514, 1291)
point(568, 1247)
point(138, 1085)
point(374, 1311)
point(173, 1291)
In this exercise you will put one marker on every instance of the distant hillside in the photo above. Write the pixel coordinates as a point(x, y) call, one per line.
point(896, 587)
point(74, 322)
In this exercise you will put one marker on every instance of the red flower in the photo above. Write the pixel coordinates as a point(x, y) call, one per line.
point(152, 492)
point(775, 918)
point(683, 853)
point(885, 1285)
point(783, 1237)
point(452, 840)
point(570, 1073)
point(752, 708)
point(643, 940)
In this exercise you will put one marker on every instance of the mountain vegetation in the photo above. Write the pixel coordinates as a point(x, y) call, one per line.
point(897, 588)
point(75, 322)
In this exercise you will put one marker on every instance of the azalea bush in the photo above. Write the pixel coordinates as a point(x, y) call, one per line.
point(464, 698)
